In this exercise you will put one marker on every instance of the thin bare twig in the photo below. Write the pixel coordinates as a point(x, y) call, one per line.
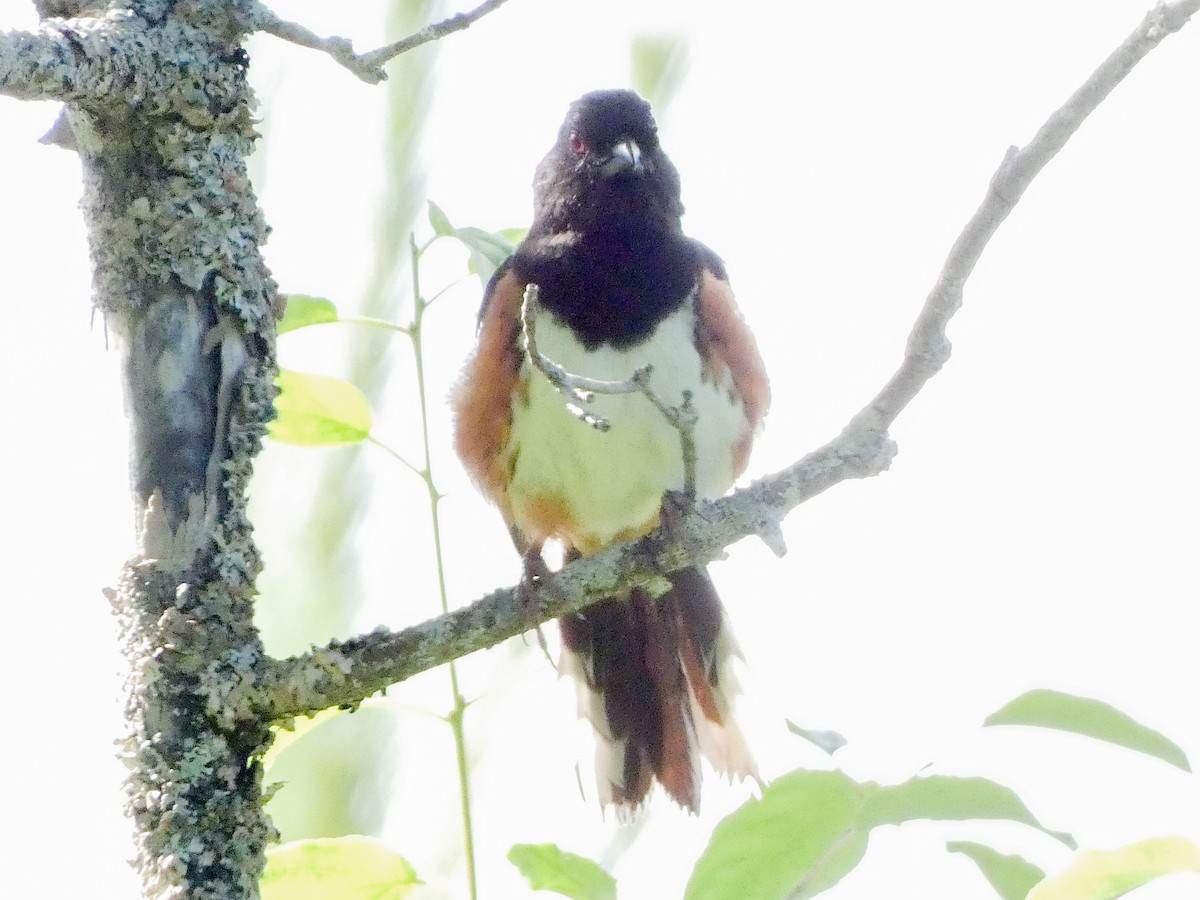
point(346, 673)
point(928, 349)
point(367, 66)
point(458, 22)
point(579, 392)
point(683, 419)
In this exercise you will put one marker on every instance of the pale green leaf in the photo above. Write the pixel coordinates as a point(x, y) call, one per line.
point(1105, 875)
point(659, 62)
point(947, 797)
point(1011, 876)
point(316, 411)
point(810, 828)
point(348, 868)
point(846, 852)
point(1082, 715)
point(302, 310)
point(286, 737)
point(800, 835)
point(514, 236)
point(547, 868)
point(488, 250)
point(439, 221)
point(829, 741)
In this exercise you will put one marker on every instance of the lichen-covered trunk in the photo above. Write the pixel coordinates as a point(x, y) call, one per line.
point(174, 232)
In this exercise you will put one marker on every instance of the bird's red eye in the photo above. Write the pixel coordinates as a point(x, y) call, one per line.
point(578, 144)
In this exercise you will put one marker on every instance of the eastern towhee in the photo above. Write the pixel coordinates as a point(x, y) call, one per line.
point(621, 287)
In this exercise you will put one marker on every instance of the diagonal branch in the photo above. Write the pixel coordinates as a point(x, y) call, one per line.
point(368, 66)
point(343, 674)
point(928, 348)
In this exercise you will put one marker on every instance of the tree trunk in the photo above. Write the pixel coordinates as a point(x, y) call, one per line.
point(158, 108)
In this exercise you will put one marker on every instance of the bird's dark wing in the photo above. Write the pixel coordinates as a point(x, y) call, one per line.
point(482, 399)
point(726, 344)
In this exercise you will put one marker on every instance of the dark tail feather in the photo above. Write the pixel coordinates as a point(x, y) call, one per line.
point(652, 679)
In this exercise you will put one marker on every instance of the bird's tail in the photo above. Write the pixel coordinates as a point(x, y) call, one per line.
point(653, 677)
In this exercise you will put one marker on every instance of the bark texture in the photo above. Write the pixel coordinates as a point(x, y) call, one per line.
point(158, 108)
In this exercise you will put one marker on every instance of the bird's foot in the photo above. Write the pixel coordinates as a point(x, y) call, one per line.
point(676, 507)
point(535, 577)
point(535, 573)
point(672, 535)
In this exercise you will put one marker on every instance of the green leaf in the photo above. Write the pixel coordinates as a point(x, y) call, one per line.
point(839, 860)
point(488, 250)
point(315, 411)
point(286, 737)
point(514, 236)
point(439, 221)
point(349, 868)
point(1012, 876)
point(659, 62)
point(829, 741)
point(800, 833)
point(1082, 715)
point(1104, 875)
point(302, 310)
point(548, 868)
point(810, 828)
point(948, 797)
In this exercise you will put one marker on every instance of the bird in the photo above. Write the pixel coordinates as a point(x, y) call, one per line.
point(620, 287)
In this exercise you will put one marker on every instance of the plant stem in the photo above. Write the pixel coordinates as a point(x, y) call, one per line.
point(455, 718)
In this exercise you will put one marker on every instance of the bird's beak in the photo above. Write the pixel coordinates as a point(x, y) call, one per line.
point(625, 157)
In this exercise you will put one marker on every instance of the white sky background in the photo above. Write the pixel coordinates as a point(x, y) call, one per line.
point(1038, 528)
